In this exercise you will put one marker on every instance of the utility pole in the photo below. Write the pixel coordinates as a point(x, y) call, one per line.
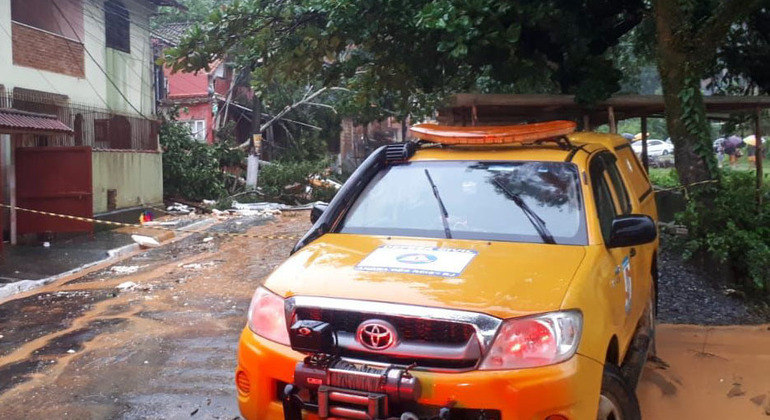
point(252, 160)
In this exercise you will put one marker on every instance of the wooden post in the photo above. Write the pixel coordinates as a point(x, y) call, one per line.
point(12, 191)
point(645, 157)
point(586, 122)
point(474, 115)
point(758, 154)
point(611, 119)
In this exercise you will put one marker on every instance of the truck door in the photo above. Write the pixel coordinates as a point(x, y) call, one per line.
point(608, 207)
point(637, 268)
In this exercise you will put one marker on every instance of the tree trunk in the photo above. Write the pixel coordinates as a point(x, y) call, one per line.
point(690, 165)
point(684, 108)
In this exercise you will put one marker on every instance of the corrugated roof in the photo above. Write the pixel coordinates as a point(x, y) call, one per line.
point(13, 120)
point(172, 3)
point(171, 33)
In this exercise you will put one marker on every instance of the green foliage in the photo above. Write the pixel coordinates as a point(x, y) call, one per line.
point(694, 119)
point(287, 182)
point(192, 170)
point(401, 57)
point(195, 11)
point(741, 65)
point(725, 224)
point(664, 177)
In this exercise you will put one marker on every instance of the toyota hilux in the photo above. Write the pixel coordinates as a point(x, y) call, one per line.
point(471, 273)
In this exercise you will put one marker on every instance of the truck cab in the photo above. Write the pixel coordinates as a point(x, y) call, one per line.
point(475, 273)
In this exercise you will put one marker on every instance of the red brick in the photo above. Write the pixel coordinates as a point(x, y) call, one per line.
point(44, 51)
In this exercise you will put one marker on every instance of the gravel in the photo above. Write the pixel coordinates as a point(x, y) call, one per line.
point(690, 294)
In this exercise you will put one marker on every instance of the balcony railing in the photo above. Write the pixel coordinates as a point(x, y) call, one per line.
point(99, 128)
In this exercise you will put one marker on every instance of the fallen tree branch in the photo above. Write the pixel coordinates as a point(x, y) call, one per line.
point(306, 100)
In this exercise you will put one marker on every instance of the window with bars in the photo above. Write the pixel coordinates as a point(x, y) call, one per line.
point(197, 129)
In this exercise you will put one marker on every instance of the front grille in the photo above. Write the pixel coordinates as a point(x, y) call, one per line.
point(425, 336)
point(411, 329)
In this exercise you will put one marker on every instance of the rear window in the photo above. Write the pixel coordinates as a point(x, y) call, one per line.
point(480, 199)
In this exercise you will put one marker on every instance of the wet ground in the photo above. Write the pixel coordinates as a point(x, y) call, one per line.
point(35, 261)
point(163, 347)
point(154, 336)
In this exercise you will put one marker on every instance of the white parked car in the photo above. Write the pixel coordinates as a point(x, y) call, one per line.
point(654, 148)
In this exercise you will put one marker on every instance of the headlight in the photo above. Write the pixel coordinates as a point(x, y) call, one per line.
point(534, 341)
point(267, 317)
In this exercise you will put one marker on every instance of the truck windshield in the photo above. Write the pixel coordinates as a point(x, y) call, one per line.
point(481, 200)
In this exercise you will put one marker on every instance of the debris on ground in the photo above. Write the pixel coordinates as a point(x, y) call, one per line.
point(197, 266)
point(317, 181)
point(127, 285)
point(179, 208)
point(125, 269)
point(130, 285)
point(145, 241)
point(258, 209)
point(163, 223)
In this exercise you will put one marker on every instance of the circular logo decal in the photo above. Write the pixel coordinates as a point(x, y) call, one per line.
point(416, 258)
point(376, 334)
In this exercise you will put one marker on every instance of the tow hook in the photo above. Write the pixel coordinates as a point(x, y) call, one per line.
point(292, 404)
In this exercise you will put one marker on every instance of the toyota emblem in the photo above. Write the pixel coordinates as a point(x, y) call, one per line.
point(376, 334)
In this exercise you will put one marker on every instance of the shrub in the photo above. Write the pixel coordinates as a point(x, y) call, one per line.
point(664, 178)
point(287, 182)
point(193, 170)
point(725, 223)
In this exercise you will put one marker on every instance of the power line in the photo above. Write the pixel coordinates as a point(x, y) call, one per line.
point(112, 82)
point(133, 36)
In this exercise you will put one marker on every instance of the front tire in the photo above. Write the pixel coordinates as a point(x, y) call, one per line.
point(617, 400)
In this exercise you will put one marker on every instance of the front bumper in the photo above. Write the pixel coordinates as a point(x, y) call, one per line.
point(570, 389)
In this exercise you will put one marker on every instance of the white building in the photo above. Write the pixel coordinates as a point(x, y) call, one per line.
point(89, 63)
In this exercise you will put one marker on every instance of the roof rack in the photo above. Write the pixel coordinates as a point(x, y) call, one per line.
point(476, 135)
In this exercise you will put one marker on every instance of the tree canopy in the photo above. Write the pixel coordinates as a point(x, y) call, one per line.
point(399, 56)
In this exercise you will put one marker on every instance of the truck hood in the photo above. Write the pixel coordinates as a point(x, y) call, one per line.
point(498, 278)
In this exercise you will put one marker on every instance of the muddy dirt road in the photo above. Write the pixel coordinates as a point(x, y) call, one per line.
point(163, 344)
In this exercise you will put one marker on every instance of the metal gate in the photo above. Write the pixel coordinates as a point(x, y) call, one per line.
point(57, 180)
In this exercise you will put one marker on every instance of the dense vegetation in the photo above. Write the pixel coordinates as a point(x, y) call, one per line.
point(728, 227)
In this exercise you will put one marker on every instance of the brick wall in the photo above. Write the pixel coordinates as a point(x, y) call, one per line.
point(45, 51)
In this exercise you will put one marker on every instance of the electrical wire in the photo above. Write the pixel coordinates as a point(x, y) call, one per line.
point(53, 87)
point(101, 68)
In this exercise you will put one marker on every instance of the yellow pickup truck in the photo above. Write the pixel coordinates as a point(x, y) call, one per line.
point(475, 273)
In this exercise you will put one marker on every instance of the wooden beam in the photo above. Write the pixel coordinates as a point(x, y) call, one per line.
point(611, 120)
point(758, 154)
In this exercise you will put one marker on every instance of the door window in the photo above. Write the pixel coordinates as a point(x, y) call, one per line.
point(617, 182)
point(605, 206)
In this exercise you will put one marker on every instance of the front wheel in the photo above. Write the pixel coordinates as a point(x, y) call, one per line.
point(617, 400)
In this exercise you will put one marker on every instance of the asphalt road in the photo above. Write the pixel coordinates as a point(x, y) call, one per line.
point(163, 346)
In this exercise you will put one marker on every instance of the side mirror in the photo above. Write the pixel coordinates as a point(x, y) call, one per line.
point(632, 229)
point(316, 212)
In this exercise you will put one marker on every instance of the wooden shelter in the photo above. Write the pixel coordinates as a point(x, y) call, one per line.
point(499, 109)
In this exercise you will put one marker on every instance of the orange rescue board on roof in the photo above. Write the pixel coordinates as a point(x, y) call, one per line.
point(522, 133)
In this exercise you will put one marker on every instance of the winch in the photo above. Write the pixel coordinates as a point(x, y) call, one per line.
point(340, 388)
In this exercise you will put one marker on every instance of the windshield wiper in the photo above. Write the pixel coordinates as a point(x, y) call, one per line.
point(536, 221)
point(444, 213)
